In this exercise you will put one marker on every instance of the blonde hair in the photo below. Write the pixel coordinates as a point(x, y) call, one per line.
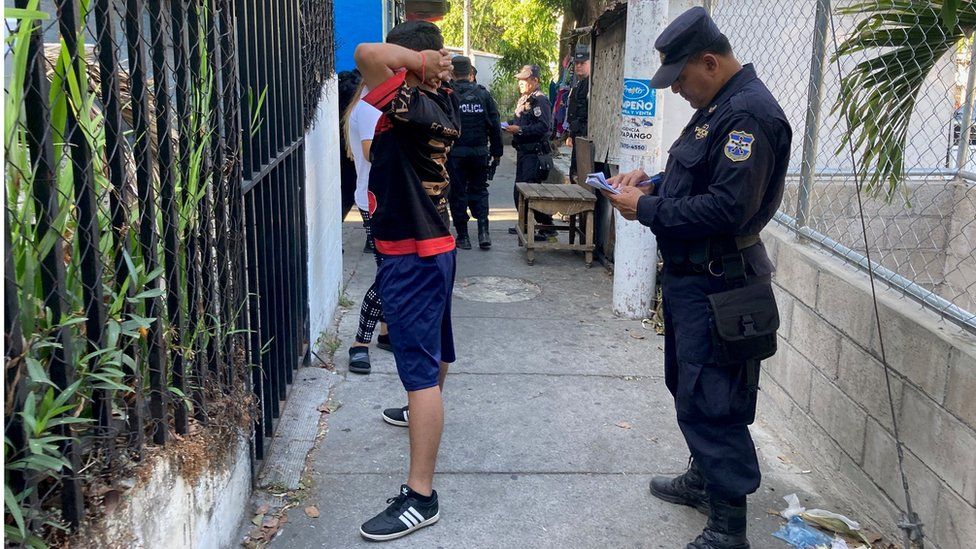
point(356, 98)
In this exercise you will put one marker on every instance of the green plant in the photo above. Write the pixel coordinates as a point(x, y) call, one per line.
point(905, 40)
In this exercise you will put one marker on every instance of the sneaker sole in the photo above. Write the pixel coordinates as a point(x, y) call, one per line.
point(396, 422)
point(408, 531)
point(701, 506)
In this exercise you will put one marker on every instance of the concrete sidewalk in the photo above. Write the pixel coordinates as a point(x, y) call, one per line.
point(556, 418)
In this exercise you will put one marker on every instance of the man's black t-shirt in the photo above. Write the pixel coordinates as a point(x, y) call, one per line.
point(408, 181)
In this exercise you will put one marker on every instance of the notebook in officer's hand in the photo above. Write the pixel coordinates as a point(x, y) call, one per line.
point(599, 182)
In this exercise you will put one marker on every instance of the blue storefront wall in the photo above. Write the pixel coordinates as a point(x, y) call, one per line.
point(356, 21)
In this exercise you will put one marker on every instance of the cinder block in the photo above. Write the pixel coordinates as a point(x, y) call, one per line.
point(876, 511)
point(955, 522)
point(785, 303)
point(881, 464)
point(798, 428)
point(914, 348)
point(792, 372)
point(847, 307)
point(796, 273)
point(843, 420)
point(862, 378)
point(815, 339)
point(941, 441)
point(961, 390)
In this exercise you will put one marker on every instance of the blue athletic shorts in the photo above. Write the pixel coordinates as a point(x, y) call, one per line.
point(416, 294)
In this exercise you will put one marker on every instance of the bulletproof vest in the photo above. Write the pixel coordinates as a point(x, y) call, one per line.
point(474, 116)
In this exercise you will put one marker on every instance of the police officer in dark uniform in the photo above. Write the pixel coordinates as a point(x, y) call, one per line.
point(722, 184)
point(578, 110)
point(530, 131)
point(468, 161)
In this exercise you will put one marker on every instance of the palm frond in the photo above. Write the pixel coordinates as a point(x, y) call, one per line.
point(905, 38)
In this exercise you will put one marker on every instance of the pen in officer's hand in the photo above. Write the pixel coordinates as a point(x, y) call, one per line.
point(653, 180)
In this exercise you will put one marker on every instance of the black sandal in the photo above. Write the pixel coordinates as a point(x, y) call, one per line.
point(383, 342)
point(359, 360)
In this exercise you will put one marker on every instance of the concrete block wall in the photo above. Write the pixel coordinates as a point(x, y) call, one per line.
point(825, 392)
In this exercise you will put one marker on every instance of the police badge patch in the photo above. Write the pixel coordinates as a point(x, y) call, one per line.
point(739, 146)
point(537, 111)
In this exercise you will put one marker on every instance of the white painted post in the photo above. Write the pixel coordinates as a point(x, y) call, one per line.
point(635, 252)
point(467, 29)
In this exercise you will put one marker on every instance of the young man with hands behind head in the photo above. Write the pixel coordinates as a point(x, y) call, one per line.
point(408, 200)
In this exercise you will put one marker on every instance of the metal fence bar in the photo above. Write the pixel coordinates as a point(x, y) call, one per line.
point(147, 214)
point(44, 193)
point(111, 97)
point(814, 103)
point(962, 154)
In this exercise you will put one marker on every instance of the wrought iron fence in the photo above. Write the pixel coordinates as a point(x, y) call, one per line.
point(155, 252)
point(921, 238)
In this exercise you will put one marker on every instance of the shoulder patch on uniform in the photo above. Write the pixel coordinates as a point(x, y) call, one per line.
point(739, 146)
point(537, 111)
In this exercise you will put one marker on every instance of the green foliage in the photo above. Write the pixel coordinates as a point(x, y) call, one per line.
point(904, 39)
point(521, 31)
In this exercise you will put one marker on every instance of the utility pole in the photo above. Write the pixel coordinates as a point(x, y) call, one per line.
point(635, 252)
point(467, 29)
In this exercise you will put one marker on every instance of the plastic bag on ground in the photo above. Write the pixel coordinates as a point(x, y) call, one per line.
point(793, 507)
point(803, 536)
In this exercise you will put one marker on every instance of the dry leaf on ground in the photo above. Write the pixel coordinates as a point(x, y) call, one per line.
point(312, 511)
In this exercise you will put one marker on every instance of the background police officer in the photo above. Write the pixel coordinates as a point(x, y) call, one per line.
point(722, 185)
point(530, 129)
point(578, 111)
point(469, 158)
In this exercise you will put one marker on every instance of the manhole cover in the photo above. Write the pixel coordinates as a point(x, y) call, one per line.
point(495, 289)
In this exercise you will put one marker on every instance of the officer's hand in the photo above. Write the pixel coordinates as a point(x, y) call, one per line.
point(629, 179)
point(512, 128)
point(569, 142)
point(626, 201)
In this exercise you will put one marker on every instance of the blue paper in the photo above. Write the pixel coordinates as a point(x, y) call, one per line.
point(801, 535)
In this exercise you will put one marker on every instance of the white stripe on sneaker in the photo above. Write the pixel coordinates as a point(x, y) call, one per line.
point(406, 414)
point(418, 516)
point(407, 520)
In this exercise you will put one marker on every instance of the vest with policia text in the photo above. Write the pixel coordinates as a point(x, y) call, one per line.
point(408, 181)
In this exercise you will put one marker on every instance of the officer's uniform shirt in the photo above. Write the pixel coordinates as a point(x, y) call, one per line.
point(533, 115)
point(725, 173)
point(578, 111)
point(479, 122)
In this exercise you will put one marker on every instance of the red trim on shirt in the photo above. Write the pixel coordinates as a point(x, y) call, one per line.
point(381, 95)
point(423, 248)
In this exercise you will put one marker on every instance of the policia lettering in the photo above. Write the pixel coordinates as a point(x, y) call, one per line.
point(722, 184)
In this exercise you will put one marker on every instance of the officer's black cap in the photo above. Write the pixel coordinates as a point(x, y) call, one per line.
point(691, 32)
point(529, 71)
point(462, 65)
point(582, 54)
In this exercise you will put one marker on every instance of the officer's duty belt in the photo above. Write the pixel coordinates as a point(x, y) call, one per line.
point(706, 257)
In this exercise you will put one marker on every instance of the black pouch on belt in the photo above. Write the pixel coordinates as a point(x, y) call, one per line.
point(745, 318)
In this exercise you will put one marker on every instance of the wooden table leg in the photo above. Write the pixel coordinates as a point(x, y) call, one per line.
point(589, 237)
point(529, 234)
point(520, 219)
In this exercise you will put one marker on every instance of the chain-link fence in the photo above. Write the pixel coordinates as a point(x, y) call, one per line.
point(154, 266)
point(921, 232)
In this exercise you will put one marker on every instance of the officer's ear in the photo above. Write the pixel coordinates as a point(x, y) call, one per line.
point(710, 61)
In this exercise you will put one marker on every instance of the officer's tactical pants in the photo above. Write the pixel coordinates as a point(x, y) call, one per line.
point(469, 189)
point(713, 402)
point(530, 168)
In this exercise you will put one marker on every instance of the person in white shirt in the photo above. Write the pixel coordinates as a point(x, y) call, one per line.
point(360, 125)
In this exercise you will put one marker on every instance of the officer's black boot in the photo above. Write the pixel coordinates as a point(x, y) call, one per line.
point(463, 240)
point(726, 526)
point(484, 239)
point(685, 489)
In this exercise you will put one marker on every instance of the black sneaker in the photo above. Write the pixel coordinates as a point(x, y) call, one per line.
point(397, 416)
point(359, 360)
point(383, 342)
point(406, 514)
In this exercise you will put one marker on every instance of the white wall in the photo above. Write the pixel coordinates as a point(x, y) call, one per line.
point(322, 202)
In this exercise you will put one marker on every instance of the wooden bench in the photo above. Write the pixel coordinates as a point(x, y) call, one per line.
point(570, 200)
